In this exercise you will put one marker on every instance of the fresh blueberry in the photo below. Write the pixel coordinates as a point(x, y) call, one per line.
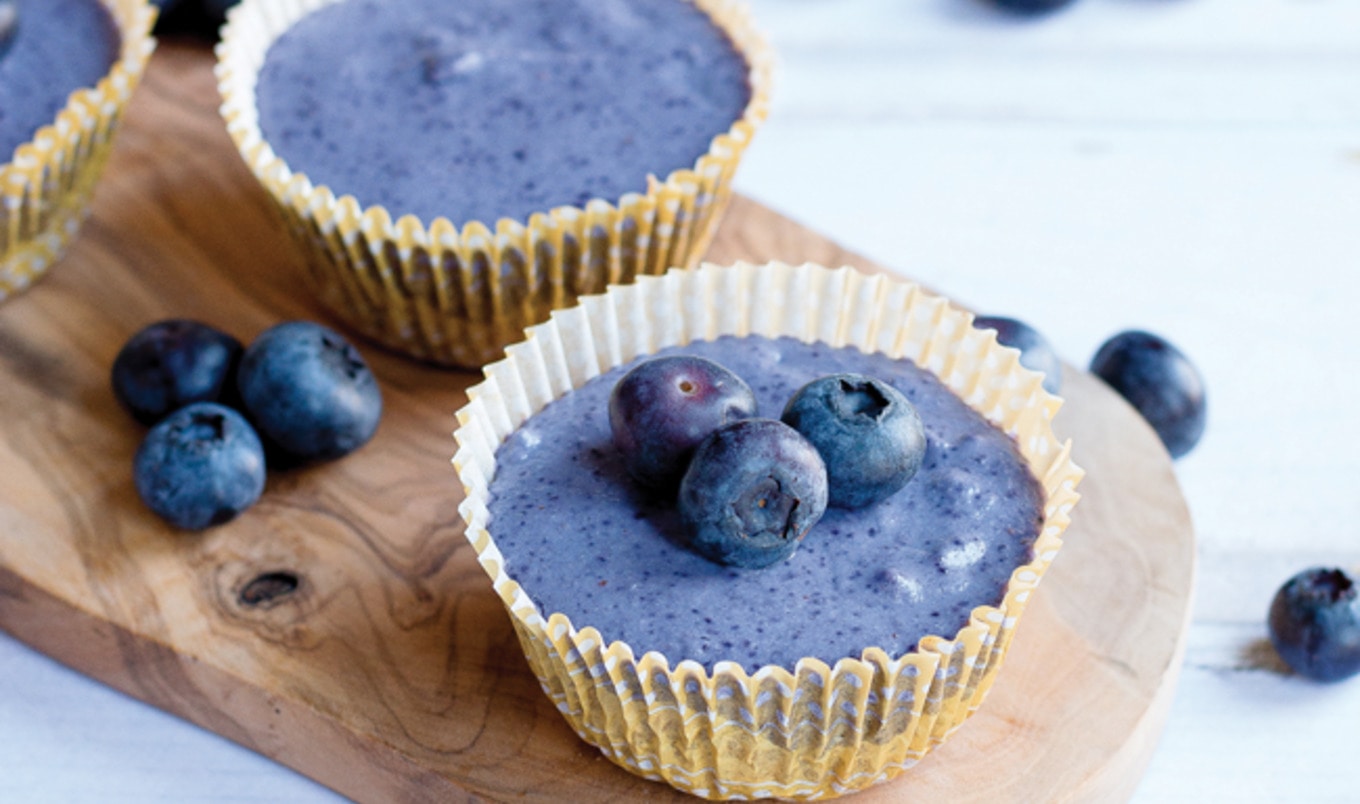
point(1314, 624)
point(1035, 352)
point(1031, 7)
point(173, 363)
point(752, 491)
point(9, 23)
point(309, 392)
point(662, 408)
point(866, 431)
point(1160, 382)
point(201, 466)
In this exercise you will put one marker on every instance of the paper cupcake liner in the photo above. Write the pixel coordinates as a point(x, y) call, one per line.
point(818, 731)
point(45, 190)
point(456, 295)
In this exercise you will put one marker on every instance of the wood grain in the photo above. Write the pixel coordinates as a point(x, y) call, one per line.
point(391, 673)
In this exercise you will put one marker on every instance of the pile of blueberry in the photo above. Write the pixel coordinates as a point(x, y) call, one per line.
point(218, 411)
point(748, 489)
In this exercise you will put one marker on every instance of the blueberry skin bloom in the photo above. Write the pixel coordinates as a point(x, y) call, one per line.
point(201, 466)
point(1035, 352)
point(173, 363)
point(1160, 382)
point(309, 392)
point(1314, 624)
point(866, 431)
point(662, 408)
point(753, 490)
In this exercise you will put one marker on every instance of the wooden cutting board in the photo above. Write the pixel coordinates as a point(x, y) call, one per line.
point(391, 671)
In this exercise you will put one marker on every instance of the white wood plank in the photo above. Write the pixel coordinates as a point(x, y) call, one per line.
point(1240, 733)
point(1212, 63)
point(1177, 91)
point(65, 738)
point(1235, 587)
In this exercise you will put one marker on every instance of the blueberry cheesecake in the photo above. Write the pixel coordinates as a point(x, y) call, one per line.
point(453, 171)
point(868, 491)
point(67, 70)
point(48, 50)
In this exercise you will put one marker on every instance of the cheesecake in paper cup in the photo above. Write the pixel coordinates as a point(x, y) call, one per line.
point(46, 184)
point(456, 292)
point(818, 730)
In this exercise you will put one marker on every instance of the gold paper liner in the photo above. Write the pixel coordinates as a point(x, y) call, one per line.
point(819, 731)
point(458, 296)
point(45, 191)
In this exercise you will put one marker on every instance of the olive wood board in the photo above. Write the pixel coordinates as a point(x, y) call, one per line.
point(391, 672)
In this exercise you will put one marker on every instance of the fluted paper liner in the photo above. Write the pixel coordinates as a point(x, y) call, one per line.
point(45, 189)
point(820, 730)
point(457, 294)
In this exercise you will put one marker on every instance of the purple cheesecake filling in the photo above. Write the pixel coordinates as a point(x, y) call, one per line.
point(489, 109)
point(581, 539)
point(57, 47)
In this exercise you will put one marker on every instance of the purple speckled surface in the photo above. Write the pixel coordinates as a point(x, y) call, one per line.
point(59, 46)
point(582, 540)
point(488, 109)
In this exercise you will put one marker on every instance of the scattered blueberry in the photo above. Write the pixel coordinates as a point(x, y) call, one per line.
point(173, 363)
point(1161, 384)
point(201, 466)
point(1031, 7)
point(309, 392)
point(1314, 624)
point(9, 23)
point(868, 434)
point(753, 490)
point(1035, 352)
point(662, 408)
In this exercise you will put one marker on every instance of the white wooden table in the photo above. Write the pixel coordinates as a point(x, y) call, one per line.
point(1186, 166)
